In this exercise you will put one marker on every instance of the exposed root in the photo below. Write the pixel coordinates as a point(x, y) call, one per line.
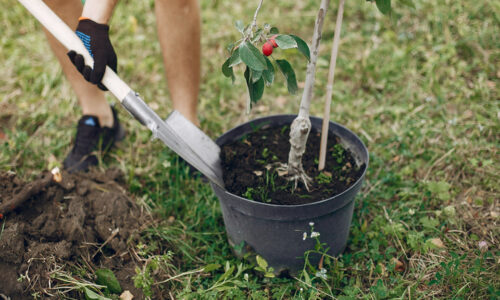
point(25, 194)
point(296, 175)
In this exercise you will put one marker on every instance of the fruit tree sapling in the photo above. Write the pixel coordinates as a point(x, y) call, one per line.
point(301, 126)
point(260, 72)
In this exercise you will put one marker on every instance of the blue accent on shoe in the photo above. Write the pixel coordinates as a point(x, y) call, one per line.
point(90, 122)
point(86, 41)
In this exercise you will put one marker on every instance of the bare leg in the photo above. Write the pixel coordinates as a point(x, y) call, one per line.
point(178, 25)
point(91, 98)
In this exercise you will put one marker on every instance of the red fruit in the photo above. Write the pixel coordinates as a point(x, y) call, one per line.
point(267, 48)
point(273, 41)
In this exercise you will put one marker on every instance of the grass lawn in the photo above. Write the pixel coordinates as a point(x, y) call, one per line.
point(420, 88)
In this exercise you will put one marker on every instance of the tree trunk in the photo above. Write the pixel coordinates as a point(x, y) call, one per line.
point(301, 126)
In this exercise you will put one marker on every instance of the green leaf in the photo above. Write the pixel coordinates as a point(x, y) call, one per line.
point(239, 270)
point(240, 26)
point(269, 275)
point(227, 273)
point(107, 278)
point(211, 267)
point(230, 47)
point(415, 239)
point(285, 41)
point(393, 229)
point(307, 279)
point(235, 58)
point(440, 189)
point(257, 35)
point(487, 162)
point(429, 223)
point(228, 71)
point(252, 57)
point(260, 269)
point(384, 6)
point(289, 74)
point(302, 46)
point(379, 289)
point(261, 262)
point(269, 73)
point(274, 30)
point(239, 284)
point(91, 295)
point(224, 288)
point(255, 90)
point(256, 75)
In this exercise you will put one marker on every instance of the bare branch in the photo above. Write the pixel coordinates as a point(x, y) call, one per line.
point(254, 22)
point(311, 67)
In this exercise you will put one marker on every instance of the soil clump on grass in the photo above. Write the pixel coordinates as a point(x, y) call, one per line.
point(85, 222)
point(248, 168)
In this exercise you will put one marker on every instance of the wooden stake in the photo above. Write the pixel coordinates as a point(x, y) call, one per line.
point(329, 87)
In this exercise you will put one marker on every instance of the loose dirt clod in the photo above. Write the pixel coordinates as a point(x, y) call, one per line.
point(85, 220)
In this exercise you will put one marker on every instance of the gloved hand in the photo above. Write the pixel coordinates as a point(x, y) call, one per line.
point(95, 37)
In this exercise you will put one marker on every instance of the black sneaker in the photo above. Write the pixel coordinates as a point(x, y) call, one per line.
point(90, 136)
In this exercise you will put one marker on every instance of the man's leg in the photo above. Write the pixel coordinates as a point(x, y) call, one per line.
point(178, 25)
point(91, 98)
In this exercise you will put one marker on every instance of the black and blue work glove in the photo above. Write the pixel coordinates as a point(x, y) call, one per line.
point(95, 37)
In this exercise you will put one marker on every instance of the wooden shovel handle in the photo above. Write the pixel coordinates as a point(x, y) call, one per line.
point(70, 40)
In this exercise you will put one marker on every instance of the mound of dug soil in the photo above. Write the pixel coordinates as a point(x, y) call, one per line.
point(87, 220)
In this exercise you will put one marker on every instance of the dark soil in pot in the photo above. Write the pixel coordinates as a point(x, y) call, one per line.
point(248, 172)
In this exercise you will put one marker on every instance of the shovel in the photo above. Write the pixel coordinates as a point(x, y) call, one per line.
point(178, 133)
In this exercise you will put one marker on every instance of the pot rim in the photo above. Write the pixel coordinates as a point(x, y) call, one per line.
point(262, 204)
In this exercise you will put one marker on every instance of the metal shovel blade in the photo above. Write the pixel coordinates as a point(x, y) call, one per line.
point(180, 135)
point(196, 147)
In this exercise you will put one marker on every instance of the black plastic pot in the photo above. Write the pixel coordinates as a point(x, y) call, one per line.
point(276, 232)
